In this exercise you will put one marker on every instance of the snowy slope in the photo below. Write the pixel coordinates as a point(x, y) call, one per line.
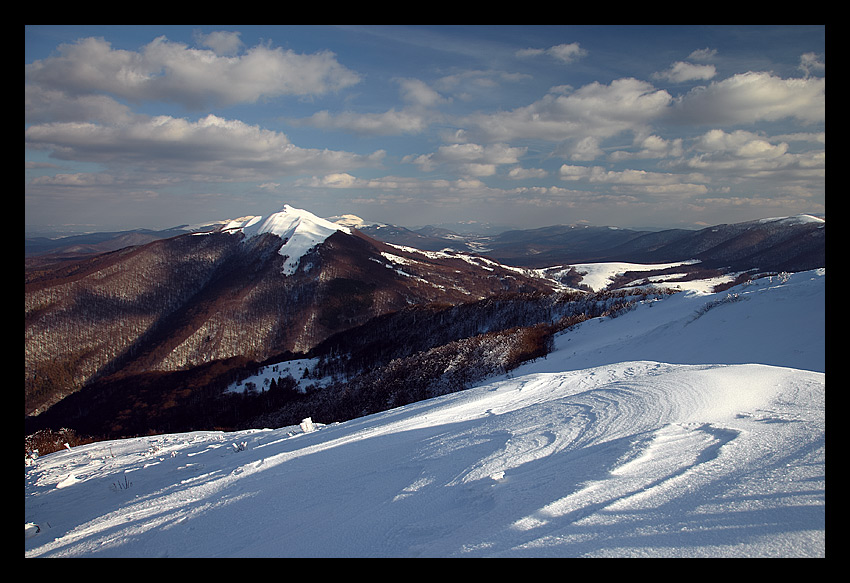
point(691, 426)
point(598, 276)
point(300, 230)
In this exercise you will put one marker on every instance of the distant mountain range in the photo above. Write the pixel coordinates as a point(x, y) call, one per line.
point(788, 243)
point(792, 243)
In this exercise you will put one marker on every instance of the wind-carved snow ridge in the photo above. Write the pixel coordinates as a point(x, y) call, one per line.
point(299, 229)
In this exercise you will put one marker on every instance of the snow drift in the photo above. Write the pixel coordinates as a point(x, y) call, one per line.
point(691, 426)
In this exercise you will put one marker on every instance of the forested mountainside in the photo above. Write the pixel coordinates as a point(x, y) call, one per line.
point(192, 300)
point(400, 357)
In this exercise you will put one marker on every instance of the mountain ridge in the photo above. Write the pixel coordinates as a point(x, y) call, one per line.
point(738, 245)
point(239, 291)
point(171, 321)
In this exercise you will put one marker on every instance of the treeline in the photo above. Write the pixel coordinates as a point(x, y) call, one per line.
point(419, 328)
point(427, 351)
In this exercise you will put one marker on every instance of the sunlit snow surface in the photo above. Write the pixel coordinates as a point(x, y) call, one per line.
point(300, 230)
point(670, 431)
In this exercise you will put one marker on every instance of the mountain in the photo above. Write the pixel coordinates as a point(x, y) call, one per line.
point(777, 244)
point(148, 337)
point(241, 291)
point(690, 426)
point(91, 243)
point(426, 239)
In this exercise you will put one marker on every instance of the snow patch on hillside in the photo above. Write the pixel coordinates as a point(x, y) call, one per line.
point(597, 276)
point(793, 220)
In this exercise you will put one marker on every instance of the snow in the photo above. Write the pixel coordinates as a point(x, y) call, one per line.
point(794, 220)
point(300, 230)
point(597, 276)
point(691, 426)
point(294, 368)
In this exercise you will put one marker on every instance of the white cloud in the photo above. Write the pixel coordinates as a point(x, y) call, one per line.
point(413, 119)
point(753, 97)
point(681, 72)
point(76, 179)
point(221, 42)
point(418, 93)
point(633, 177)
point(337, 180)
point(168, 71)
point(703, 54)
point(524, 173)
point(53, 105)
point(739, 144)
point(471, 159)
point(388, 123)
point(594, 110)
point(212, 147)
point(648, 147)
point(810, 64)
point(585, 149)
point(741, 155)
point(566, 53)
point(638, 182)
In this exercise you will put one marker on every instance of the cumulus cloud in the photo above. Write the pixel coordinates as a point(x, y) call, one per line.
point(221, 42)
point(413, 119)
point(471, 159)
point(173, 72)
point(627, 177)
point(739, 157)
point(648, 147)
point(753, 97)
point(519, 173)
point(740, 144)
point(211, 146)
point(743, 153)
point(42, 105)
point(82, 105)
point(595, 110)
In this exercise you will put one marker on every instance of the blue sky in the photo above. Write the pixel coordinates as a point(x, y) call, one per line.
point(528, 125)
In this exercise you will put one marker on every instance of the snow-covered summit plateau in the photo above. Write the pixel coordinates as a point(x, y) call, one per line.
point(690, 426)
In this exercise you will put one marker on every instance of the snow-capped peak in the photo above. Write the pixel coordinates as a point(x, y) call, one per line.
point(794, 220)
point(300, 230)
point(291, 221)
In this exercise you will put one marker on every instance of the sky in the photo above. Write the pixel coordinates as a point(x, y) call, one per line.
point(525, 126)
